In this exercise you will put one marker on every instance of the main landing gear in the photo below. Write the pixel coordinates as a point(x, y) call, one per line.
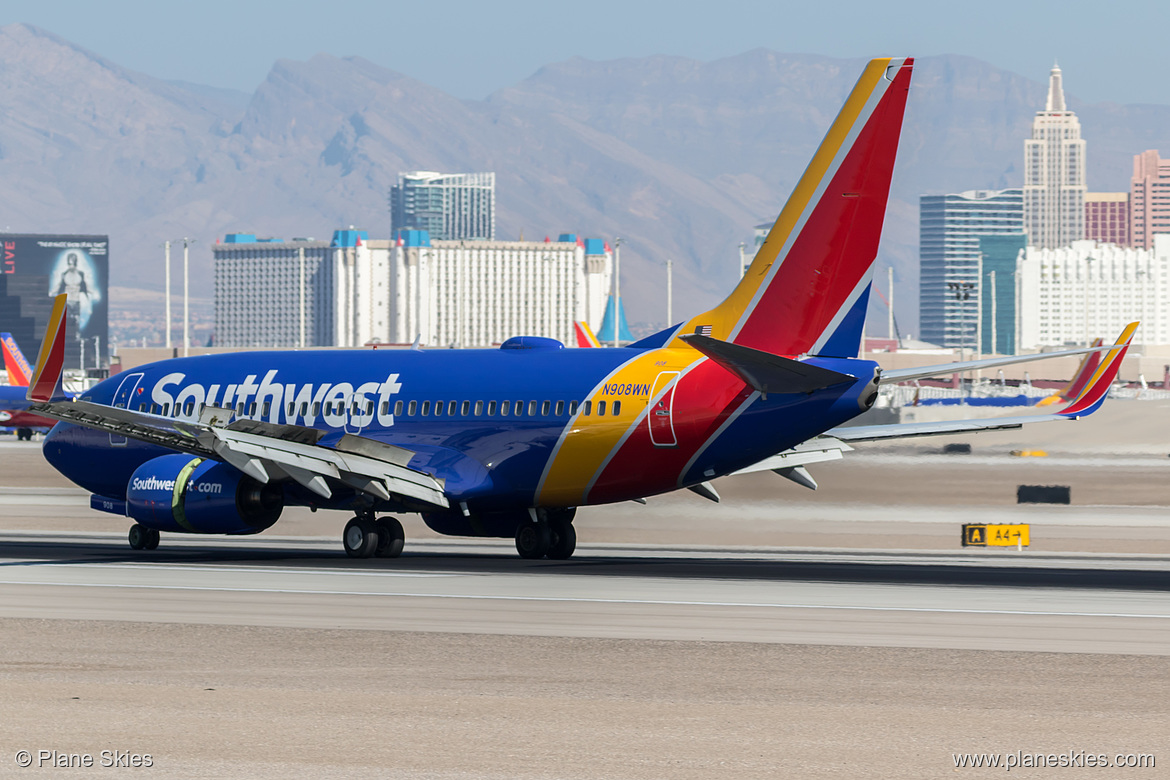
point(143, 538)
point(550, 535)
point(365, 537)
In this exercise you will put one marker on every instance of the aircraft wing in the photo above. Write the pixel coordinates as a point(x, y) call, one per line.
point(905, 374)
point(832, 444)
point(1089, 400)
point(266, 452)
point(790, 463)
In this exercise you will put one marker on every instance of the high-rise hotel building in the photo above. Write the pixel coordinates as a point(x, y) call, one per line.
point(1107, 217)
point(354, 290)
point(1149, 198)
point(951, 228)
point(1054, 173)
point(449, 206)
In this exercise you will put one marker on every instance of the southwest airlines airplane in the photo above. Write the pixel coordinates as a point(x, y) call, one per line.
point(13, 396)
point(509, 442)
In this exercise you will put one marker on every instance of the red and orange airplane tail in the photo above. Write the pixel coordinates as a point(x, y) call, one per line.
point(807, 289)
point(1095, 387)
point(19, 371)
point(584, 334)
point(1081, 378)
point(46, 380)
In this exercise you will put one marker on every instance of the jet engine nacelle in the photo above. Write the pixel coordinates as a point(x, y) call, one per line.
point(192, 495)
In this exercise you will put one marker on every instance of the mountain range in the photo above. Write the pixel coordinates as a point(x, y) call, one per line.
point(681, 158)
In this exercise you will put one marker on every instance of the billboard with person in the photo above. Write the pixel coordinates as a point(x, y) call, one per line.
point(34, 268)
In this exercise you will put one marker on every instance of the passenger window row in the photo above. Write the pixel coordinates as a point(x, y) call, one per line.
point(500, 408)
point(412, 408)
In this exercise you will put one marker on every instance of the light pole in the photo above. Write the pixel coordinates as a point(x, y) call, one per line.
point(301, 259)
point(890, 302)
point(669, 293)
point(167, 290)
point(186, 296)
point(617, 290)
point(962, 292)
point(994, 345)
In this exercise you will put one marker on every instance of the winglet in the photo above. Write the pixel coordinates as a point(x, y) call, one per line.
point(1095, 390)
point(46, 380)
point(584, 333)
point(19, 371)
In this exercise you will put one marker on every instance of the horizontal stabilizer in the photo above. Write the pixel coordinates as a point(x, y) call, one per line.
point(764, 371)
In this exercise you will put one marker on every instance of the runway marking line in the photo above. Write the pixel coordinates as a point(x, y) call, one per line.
point(572, 600)
point(254, 570)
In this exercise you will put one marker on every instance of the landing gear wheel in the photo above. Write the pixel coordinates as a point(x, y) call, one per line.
point(564, 539)
point(24, 434)
point(533, 540)
point(141, 537)
point(360, 538)
point(390, 537)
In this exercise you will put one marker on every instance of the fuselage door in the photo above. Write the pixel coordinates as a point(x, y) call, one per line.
point(123, 400)
point(661, 424)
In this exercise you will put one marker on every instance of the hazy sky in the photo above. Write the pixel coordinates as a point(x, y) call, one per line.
point(1109, 51)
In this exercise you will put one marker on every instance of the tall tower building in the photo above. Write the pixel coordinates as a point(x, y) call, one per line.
point(1054, 173)
point(950, 257)
point(1149, 198)
point(449, 206)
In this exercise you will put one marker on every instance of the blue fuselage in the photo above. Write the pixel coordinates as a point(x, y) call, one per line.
point(486, 422)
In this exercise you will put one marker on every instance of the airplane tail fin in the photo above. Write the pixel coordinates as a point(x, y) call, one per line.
point(1097, 387)
point(46, 380)
point(584, 334)
point(19, 371)
point(1076, 385)
point(807, 289)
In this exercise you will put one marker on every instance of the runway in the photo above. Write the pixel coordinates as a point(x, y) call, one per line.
point(1085, 603)
point(780, 633)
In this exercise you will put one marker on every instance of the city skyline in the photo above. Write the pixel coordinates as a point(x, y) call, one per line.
point(680, 159)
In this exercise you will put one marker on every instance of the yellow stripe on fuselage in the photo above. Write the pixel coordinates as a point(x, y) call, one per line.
point(724, 317)
point(590, 440)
